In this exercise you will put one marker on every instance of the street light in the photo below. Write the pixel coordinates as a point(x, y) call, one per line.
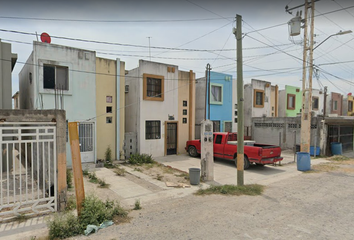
point(338, 33)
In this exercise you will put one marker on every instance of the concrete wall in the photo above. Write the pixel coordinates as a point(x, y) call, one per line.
point(274, 99)
point(79, 101)
point(27, 84)
point(186, 92)
point(282, 103)
point(7, 63)
point(284, 132)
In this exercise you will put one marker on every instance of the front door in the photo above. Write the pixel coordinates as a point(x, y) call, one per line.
point(171, 138)
point(86, 139)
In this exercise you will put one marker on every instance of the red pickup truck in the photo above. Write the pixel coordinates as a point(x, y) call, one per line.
point(225, 147)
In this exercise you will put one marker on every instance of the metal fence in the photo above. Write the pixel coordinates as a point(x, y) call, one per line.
point(28, 169)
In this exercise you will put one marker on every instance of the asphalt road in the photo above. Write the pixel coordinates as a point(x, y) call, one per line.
point(306, 206)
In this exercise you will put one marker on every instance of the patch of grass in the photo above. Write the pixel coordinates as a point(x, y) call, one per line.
point(69, 178)
point(102, 183)
point(119, 171)
point(323, 167)
point(159, 177)
point(139, 159)
point(252, 190)
point(138, 169)
point(21, 218)
point(71, 203)
point(85, 172)
point(183, 174)
point(93, 178)
point(137, 205)
point(94, 211)
point(339, 158)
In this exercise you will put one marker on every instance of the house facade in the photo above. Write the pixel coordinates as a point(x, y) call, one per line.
point(317, 102)
point(219, 109)
point(61, 77)
point(261, 100)
point(110, 107)
point(160, 107)
point(290, 100)
point(348, 109)
point(334, 104)
point(7, 64)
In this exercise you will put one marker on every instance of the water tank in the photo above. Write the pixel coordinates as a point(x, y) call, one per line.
point(295, 26)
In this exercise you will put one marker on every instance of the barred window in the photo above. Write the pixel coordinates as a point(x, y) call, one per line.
point(314, 103)
point(153, 88)
point(216, 126)
point(152, 130)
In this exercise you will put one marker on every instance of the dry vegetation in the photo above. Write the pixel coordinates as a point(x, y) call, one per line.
point(336, 163)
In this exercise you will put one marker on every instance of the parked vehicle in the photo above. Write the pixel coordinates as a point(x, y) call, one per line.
point(225, 147)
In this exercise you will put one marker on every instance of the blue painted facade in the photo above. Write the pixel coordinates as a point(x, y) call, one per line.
point(220, 106)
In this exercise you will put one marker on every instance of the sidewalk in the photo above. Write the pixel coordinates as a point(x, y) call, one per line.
point(138, 186)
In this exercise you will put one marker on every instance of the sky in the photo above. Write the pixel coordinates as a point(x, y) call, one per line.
point(191, 34)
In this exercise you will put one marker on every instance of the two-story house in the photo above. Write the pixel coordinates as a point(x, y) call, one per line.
point(160, 107)
point(220, 106)
point(334, 104)
point(348, 109)
point(260, 100)
point(317, 102)
point(7, 64)
point(290, 100)
point(62, 77)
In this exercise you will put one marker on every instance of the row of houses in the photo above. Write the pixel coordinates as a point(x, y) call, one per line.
point(154, 108)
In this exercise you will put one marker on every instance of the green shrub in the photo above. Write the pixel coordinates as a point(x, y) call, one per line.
point(252, 190)
point(139, 159)
point(71, 203)
point(93, 178)
point(137, 205)
point(69, 178)
point(64, 226)
point(108, 158)
point(85, 172)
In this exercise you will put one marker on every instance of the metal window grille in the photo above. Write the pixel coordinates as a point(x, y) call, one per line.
point(153, 87)
point(152, 130)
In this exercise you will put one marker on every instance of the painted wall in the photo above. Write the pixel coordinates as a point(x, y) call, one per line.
point(298, 100)
point(320, 95)
point(79, 101)
point(186, 92)
point(234, 105)
point(26, 84)
point(7, 63)
point(332, 97)
point(274, 99)
point(221, 112)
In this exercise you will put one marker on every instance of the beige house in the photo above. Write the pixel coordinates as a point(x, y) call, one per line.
point(110, 103)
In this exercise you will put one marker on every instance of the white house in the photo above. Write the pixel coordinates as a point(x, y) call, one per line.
point(61, 77)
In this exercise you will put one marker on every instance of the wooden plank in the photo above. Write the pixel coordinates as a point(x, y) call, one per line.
point(77, 167)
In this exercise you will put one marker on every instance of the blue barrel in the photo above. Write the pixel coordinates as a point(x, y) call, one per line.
point(303, 161)
point(336, 148)
point(194, 176)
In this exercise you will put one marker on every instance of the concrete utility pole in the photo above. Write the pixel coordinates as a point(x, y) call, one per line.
point(240, 124)
point(324, 102)
point(307, 90)
point(207, 91)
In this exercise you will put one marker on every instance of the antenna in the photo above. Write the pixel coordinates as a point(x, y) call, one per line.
point(149, 48)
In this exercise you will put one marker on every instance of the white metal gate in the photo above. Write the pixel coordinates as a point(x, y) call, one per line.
point(28, 169)
point(86, 139)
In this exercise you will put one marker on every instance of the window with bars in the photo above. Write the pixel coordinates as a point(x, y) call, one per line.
point(152, 129)
point(55, 77)
point(258, 98)
point(216, 93)
point(335, 105)
point(350, 106)
point(216, 126)
point(153, 87)
point(314, 103)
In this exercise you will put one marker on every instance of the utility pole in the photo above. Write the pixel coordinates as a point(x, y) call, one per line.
point(239, 85)
point(307, 92)
point(324, 102)
point(207, 91)
point(149, 48)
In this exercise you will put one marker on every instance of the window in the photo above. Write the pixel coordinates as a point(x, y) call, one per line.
point(152, 130)
point(291, 102)
point(228, 127)
point(350, 106)
point(215, 93)
point(258, 98)
point(153, 87)
point(108, 119)
point(235, 120)
point(314, 103)
point(335, 105)
point(184, 103)
point(184, 111)
point(216, 126)
point(55, 77)
point(108, 99)
point(218, 139)
point(108, 109)
point(184, 120)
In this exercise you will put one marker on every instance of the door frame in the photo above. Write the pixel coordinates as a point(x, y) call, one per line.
point(165, 148)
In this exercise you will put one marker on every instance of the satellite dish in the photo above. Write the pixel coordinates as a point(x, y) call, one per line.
point(45, 37)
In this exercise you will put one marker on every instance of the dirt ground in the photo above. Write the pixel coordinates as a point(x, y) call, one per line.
point(315, 205)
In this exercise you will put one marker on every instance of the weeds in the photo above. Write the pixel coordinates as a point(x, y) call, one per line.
point(339, 158)
point(93, 178)
point(21, 218)
point(119, 171)
point(85, 172)
point(102, 183)
point(159, 177)
point(94, 211)
point(108, 158)
point(137, 205)
point(138, 169)
point(252, 190)
point(71, 203)
point(139, 159)
point(69, 178)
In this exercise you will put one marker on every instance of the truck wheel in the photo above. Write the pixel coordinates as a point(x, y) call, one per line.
point(246, 162)
point(192, 151)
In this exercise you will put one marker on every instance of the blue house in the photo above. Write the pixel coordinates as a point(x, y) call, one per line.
point(219, 107)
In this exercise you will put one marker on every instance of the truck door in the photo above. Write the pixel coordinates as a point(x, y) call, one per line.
point(218, 146)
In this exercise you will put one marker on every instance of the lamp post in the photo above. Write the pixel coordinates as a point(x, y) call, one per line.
point(336, 34)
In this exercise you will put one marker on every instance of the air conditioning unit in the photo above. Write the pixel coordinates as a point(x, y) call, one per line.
point(126, 88)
